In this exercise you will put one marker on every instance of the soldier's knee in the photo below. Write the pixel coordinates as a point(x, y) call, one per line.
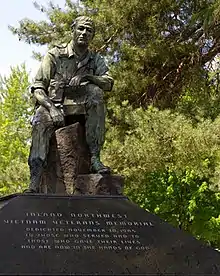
point(97, 92)
point(41, 128)
point(41, 118)
point(95, 95)
point(36, 161)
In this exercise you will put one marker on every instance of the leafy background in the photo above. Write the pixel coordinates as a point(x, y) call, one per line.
point(163, 121)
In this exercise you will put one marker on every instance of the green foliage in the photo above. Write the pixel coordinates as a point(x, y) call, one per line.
point(202, 99)
point(160, 139)
point(14, 131)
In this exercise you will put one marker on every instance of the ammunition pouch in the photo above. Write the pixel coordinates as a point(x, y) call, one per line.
point(70, 104)
point(68, 92)
point(74, 93)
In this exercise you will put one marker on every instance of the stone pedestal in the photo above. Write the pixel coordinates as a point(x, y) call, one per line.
point(68, 157)
point(97, 184)
point(68, 167)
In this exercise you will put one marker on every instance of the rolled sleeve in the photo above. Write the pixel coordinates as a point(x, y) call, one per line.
point(44, 73)
point(102, 70)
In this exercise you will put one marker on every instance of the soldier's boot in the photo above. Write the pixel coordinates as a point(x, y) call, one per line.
point(36, 170)
point(97, 166)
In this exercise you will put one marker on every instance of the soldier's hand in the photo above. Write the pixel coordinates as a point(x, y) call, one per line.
point(57, 116)
point(75, 81)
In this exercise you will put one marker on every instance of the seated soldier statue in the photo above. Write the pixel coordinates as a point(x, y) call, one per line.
point(70, 81)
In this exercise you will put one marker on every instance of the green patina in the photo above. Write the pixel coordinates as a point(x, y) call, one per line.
point(70, 81)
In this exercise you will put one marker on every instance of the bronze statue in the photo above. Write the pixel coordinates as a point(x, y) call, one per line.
point(71, 80)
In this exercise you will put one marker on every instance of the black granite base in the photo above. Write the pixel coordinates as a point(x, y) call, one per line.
point(43, 234)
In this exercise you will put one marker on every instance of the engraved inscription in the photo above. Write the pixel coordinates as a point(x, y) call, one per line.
point(87, 231)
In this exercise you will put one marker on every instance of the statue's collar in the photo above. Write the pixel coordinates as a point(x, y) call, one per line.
point(71, 53)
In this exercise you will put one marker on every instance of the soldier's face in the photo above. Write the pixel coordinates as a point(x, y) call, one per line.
point(83, 33)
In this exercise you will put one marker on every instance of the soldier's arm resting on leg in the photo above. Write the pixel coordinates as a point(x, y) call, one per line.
point(40, 87)
point(101, 77)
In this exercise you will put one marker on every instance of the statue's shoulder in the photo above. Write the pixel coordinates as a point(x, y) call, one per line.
point(95, 55)
point(98, 58)
point(59, 50)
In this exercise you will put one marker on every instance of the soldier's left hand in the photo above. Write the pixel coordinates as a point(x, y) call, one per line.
point(75, 81)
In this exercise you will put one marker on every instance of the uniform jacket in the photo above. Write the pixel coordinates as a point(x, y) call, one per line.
point(60, 64)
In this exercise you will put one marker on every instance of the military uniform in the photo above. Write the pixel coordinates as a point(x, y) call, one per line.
point(58, 67)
